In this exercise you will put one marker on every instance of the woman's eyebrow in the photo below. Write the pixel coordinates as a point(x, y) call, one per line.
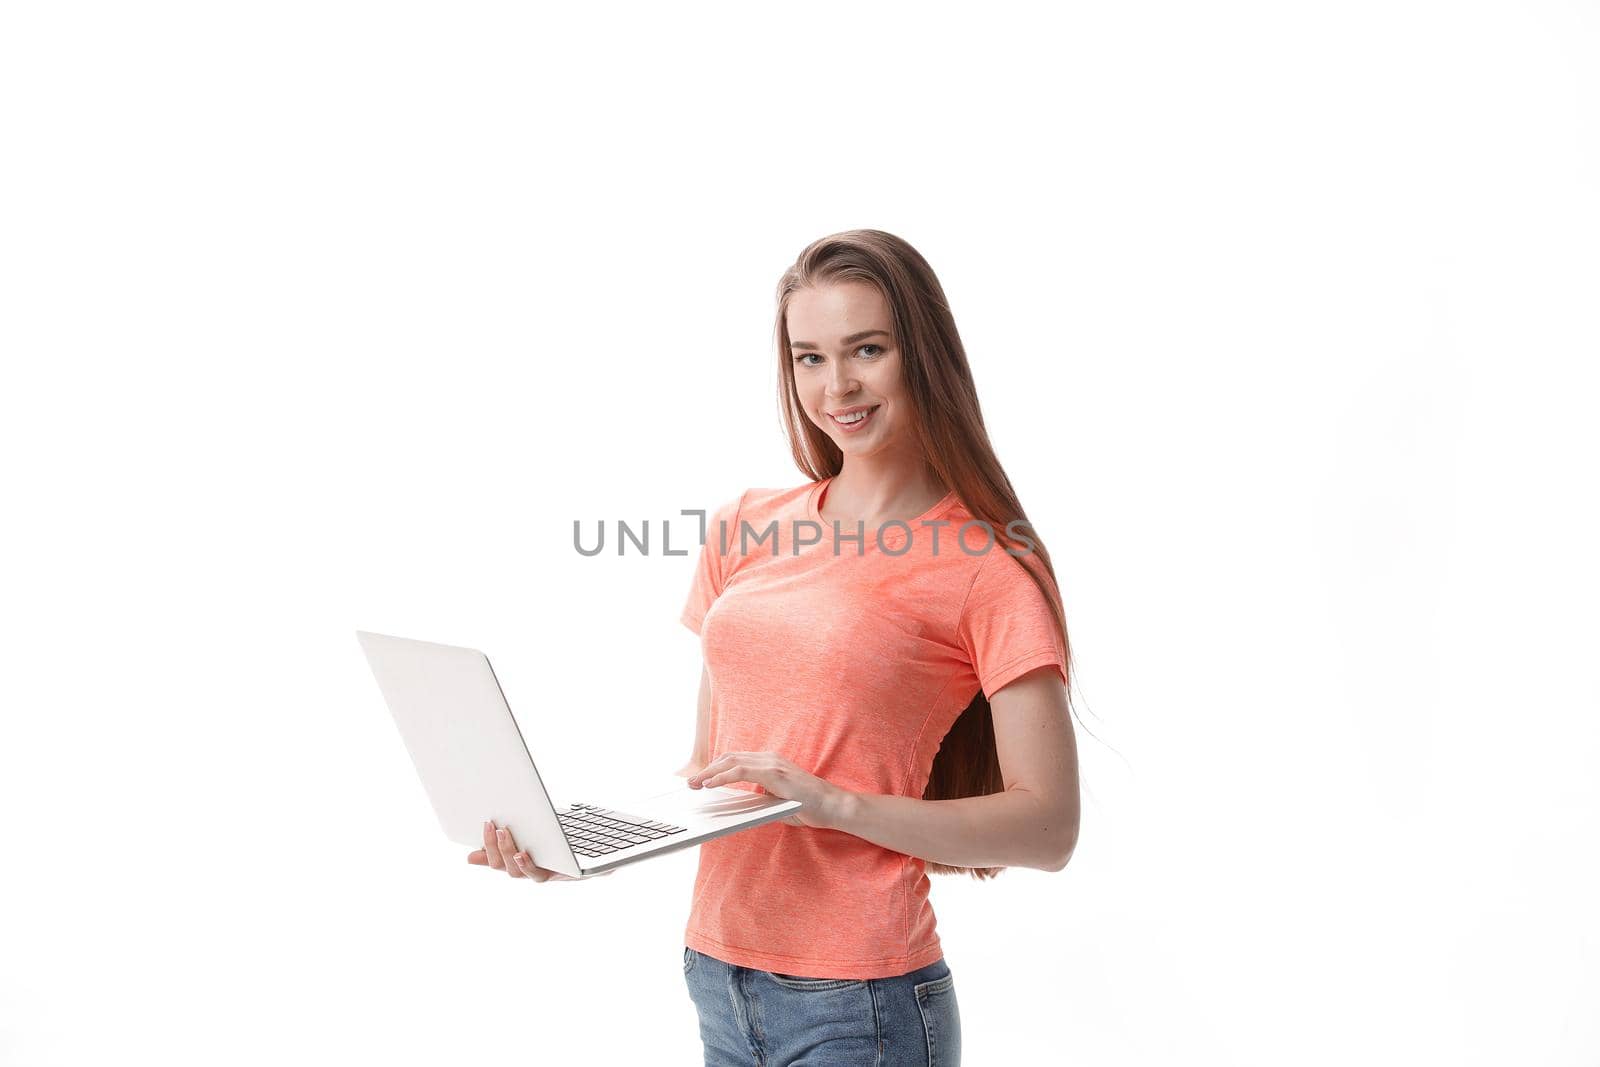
point(852, 339)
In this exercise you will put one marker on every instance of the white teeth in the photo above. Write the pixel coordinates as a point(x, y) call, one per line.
point(857, 417)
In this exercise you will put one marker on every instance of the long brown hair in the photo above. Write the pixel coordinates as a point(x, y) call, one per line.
point(955, 445)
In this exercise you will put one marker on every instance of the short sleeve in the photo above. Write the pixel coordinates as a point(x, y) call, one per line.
point(711, 569)
point(1007, 625)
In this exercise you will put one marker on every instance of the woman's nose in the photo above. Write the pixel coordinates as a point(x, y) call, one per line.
point(842, 383)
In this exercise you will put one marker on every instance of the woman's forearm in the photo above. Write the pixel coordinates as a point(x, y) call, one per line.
point(1010, 829)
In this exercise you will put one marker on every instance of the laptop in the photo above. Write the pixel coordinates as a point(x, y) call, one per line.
point(475, 766)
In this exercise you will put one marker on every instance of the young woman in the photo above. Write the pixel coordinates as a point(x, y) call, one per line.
point(884, 643)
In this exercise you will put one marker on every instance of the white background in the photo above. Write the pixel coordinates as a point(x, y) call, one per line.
point(326, 316)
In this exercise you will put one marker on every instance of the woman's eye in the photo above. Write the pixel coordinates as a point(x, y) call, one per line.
point(877, 350)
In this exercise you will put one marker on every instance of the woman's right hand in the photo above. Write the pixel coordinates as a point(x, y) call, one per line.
point(500, 852)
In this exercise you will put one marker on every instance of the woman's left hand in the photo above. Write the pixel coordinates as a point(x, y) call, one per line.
point(822, 801)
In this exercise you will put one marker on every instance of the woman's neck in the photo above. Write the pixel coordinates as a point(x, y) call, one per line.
point(879, 492)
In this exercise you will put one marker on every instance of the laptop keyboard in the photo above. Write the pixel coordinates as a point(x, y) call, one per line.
point(593, 831)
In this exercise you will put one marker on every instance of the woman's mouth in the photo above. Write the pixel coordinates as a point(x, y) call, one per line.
point(853, 422)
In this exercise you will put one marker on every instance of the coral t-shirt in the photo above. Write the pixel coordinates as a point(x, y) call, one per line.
point(851, 658)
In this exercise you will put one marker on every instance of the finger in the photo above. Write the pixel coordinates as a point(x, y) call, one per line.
point(715, 764)
point(480, 857)
point(491, 847)
point(532, 871)
point(508, 849)
point(735, 771)
point(698, 779)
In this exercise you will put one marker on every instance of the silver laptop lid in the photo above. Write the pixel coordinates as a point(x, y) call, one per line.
point(466, 746)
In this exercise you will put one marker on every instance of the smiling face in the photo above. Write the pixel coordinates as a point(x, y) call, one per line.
point(848, 361)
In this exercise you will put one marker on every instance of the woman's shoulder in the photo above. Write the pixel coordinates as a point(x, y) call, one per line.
point(773, 500)
point(757, 507)
point(759, 504)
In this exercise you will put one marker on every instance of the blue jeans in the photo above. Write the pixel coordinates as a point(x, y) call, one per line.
point(754, 1018)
